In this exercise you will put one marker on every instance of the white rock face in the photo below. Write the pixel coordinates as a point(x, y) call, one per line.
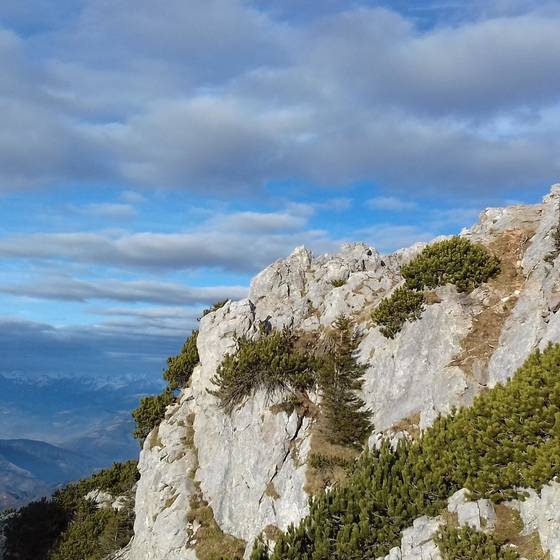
point(250, 466)
point(541, 513)
point(164, 491)
point(417, 541)
point(104, 500)
point(479, 515)
point(412, 373)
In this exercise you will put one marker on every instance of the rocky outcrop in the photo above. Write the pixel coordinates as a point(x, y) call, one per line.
point(250, 466)
point(479, 514)
point(540, 513)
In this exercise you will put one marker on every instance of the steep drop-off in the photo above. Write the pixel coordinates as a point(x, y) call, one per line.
point(212, 482)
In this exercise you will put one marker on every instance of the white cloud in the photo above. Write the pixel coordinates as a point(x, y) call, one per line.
point(237, 242)
point(109, 210)
point(390, 203)
point(390, 237)
point(74, 289)
point(360, 94)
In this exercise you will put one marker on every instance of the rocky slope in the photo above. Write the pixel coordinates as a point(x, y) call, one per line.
point(247, 471)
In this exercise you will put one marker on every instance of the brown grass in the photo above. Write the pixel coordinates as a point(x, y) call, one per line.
point(327, 464)
point(410, 425)
point(271, 491)
point(431, 297)
point(210, 542)
point(272, 533)
point(509, 527)
point(154, 439)
point(480, 343)
point(189, 436)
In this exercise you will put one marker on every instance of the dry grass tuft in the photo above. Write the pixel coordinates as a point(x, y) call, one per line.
point(210, 542)
point(509, 528)
point(482, 340)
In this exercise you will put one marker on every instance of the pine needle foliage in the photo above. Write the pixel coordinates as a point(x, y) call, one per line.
point(68, 527)
point(455, 261)
point(279, 364)
point(468, 544)
point(180, 367)
point(215, 307)
point(273, 363)
point(150, 412)
point(344, 418)
point(392, 313)
point(94, 534)
point(509, 438)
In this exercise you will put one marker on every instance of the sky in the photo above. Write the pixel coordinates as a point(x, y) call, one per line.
point(154, 156)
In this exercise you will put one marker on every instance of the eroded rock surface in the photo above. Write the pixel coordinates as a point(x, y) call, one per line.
point(541, 512)
point(250, 466)
point(479, 515)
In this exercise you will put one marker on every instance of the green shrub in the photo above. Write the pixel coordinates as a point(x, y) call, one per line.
point(180, 367)
point(215, 307)
point(455, 261)
point(402, 305)
point(273, 363)
point(68, 527)
point(34, 530)
point(509, 438)
point(344, 419)
point(279, 363)
point(116, 480)
point(468, 544)
point(150, 412)
point(319, 461)
point(94, 534)
point(338, 282)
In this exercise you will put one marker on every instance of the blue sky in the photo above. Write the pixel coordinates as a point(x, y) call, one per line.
point(155, 156)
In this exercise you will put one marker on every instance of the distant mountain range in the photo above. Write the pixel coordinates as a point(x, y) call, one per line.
point(86, 422)
point(30, 469)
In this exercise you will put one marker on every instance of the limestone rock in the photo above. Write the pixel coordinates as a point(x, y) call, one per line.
point(541, 512)
point(250, 466)
point(165, 489)
point(479, 514)
point(104, 500)
point(417, 541)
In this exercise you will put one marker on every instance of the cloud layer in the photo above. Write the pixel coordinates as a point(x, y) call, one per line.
point(176, 96)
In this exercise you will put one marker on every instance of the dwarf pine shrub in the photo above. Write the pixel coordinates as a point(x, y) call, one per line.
point(69, 527)
point(279, 364)
point(508, 439)
point(215, 307)
point(273, 363)
point(455, 261)
point(392, 313)
point(468, 544)
point(180, 367)
point(150, 412)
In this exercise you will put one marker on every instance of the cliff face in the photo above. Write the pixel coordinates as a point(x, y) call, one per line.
point(209, 478)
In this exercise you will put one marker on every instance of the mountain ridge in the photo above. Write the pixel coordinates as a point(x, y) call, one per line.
point(221, 481)
point(462, 344)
